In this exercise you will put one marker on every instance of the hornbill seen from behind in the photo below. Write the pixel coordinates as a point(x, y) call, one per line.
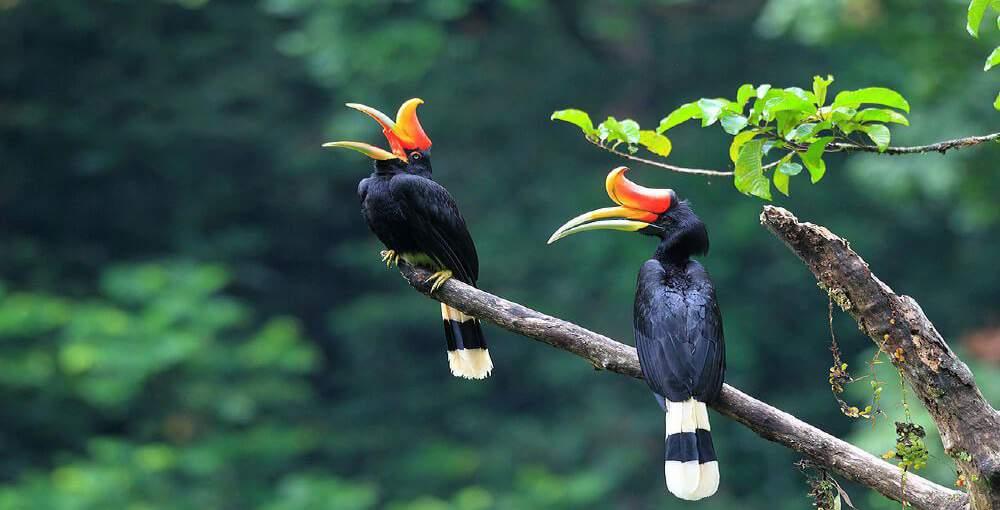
point(677, 324)
point(418, 221)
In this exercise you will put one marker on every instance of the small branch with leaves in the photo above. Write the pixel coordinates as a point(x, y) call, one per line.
point(793, 126)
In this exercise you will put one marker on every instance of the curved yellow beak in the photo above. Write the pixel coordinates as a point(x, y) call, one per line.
point(368, 150)
point(638, 207)
point(627, 219)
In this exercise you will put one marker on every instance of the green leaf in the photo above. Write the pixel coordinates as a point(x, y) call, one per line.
point(710, 109)
point(630, 129)
point(820, 85)
point(732, 124)
point(749, 176)
point(655, 142)
point(785, 170)
point(788, 120)
point(806, 130)
point(578, 118)
point(738, 141)
point(682, 114)
point(842, 114)
point(743, 94)
point(813, 158)
point(849, 127)
point(874, 95)
point(610, 129)
point(879, 135)
point(977, 8)
point(996, 102)
point(880, 115)
point(790, 169)
point(783, 100)
point(781, 182)
point(798, 92)
point(762, 90)
point(625, 131)
point(755, 111)
point(993, 59)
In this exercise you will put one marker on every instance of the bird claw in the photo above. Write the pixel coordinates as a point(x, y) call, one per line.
point(390, 257)
point(438, 278)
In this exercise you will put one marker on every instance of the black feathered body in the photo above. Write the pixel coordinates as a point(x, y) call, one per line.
point(415, 215)
point(678, 335)
point(678, 331)
point(418, 219)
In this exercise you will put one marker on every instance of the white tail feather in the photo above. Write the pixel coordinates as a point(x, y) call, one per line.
point(701, 415)
point(470, 363)
point(454, 314)
point(708, 481)
point(689, 480)
point(682, 477)
point(681, 416)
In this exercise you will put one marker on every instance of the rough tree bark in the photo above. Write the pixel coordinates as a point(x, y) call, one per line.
point(969, 426)
point(770, 423)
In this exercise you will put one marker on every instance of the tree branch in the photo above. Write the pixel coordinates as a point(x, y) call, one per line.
point(942, 147)
point(969, 426)
point(770, 423)
point(672, 168)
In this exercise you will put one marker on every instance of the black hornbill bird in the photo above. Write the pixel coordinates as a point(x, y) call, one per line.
point(677, 324)
point(418, 222)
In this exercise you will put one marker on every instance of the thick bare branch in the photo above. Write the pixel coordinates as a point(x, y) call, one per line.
point(941, 147)
point(770, 423)
point(969, 426)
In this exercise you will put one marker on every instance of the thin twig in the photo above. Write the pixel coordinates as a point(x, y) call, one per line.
point(942, 147)
point(672, 168)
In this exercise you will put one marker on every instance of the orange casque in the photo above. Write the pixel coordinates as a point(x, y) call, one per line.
point(629, 194)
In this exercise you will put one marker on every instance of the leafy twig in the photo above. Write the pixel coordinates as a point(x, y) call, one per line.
point(942, 147)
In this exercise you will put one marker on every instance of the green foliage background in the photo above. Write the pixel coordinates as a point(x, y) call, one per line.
point(193, 314)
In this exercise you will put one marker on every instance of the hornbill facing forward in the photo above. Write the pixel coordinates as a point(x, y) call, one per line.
point(418, 222)
point(678, 326)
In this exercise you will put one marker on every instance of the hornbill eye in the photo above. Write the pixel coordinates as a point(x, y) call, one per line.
point(416, 155)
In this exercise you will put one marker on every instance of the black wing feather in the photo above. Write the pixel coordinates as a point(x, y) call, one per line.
point(363, 189)
point(438, 227)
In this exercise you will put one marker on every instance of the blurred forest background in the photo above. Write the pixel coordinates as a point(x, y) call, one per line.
point(193, 314)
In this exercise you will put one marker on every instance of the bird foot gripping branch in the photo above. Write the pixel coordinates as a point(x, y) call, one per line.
point(437, 279)
point(390, 257)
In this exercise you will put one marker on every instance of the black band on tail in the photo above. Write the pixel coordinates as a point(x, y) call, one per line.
point(688, 446)
point(682, 447)
point(464, 335)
